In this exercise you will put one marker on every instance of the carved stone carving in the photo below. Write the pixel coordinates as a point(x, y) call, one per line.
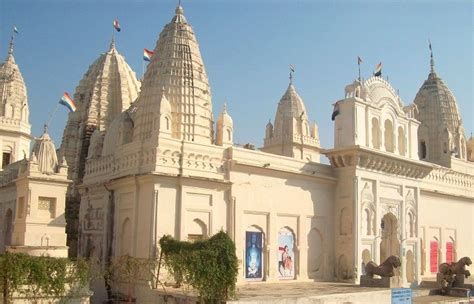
point(386, 269)
point(452, 275)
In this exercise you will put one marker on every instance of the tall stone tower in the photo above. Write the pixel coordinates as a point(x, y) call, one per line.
point(441, 133)
point(15, 128)
point(292, 135)
point(108, 87)
point(177, 67)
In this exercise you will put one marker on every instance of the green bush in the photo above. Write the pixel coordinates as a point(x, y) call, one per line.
point(209, 266)
point(36, 277)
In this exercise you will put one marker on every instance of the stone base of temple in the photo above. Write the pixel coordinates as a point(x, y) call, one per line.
point(384, 282)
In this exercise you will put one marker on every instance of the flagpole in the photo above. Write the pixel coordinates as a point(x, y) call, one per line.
point(358, 63)
point(143, 69)
point(51, 115)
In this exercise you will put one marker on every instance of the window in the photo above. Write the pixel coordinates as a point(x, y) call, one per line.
point(401, 141)
point(423, 149)
point(47, 207)
point(375, 133)
point(6, 159)
point(389, 142)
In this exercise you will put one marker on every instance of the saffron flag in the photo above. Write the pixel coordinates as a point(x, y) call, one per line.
point(335, 111)
point(359, 60)
point(147, 54)
point(67, 101)
point(117, 25)
point(378, 69)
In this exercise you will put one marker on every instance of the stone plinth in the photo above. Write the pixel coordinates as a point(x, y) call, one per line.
point(384, 282)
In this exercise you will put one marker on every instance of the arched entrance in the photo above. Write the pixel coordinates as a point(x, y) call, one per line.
point(390, 244)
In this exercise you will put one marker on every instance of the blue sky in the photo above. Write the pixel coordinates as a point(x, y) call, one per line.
point(247, 46)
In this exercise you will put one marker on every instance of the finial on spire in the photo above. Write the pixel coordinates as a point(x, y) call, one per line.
point(112, 43)
point(12, 41)
point(45, 128)
point(432, 64)
point(224, 110)
point(292, 70)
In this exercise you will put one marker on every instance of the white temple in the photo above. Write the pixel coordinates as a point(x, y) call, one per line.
point(145, 161)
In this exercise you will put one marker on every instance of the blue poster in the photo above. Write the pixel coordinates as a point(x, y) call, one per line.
point(253, 256)
point(286, 255)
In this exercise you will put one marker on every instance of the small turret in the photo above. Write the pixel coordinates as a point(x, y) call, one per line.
point(291, 135)
point(225, 128)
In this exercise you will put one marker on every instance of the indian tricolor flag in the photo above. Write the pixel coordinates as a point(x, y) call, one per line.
point(67, 101)
point(378, 69)
point(116, 25)
point(147, 54)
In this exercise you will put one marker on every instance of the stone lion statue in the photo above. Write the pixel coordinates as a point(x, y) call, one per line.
point(457, 268)
point(386, 269)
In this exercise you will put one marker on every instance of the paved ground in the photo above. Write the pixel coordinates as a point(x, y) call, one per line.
point(294, 292)
point(257, 291)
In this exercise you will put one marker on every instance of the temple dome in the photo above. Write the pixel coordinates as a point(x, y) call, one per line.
point(14, 103)
point(290, 107)
point(441, 130)
point(291, 134)
point(224, 117)
point(177, 67)
point(44, 153)
point(107, 88)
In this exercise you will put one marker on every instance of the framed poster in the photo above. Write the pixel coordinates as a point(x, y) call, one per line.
point(286, 255)
point(253, 256)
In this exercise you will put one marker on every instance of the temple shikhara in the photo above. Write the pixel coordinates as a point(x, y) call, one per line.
point(140, 159)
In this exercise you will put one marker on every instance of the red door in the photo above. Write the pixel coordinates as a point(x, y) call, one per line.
point(449, 252)
point(434, 256)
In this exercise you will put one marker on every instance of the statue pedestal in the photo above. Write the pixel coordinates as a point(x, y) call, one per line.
point(458, 289)
point(383, 282)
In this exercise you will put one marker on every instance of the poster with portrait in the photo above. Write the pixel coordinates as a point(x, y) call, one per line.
point(286, 255)
point(253, 256)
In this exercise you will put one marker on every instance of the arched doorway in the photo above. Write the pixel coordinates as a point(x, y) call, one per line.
point(390, 244)
point(8, 227)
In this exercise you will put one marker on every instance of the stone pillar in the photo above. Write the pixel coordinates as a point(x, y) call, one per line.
point(403, 237)
point(271, 244)
point(301, 250)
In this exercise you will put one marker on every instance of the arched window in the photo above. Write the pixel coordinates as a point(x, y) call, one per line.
point(229, 135)
point(422, 149)
point(388, 136)
point(375, 133)
point(401, 141)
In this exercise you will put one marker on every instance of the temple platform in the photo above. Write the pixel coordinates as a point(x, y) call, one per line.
point(308, 292)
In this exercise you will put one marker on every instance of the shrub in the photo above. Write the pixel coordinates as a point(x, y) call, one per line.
point(35, 277)
point(209, 266)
